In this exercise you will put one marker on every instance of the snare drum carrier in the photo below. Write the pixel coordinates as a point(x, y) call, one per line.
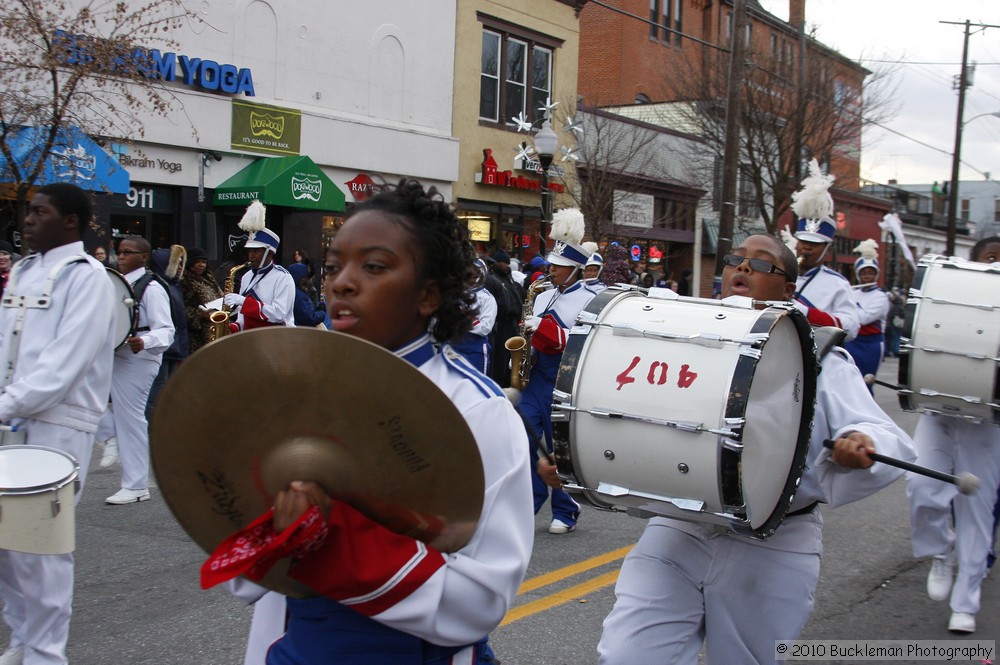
point(949, 362)
point(689, 408)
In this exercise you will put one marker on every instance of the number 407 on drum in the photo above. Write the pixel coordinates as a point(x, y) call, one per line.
point(656, 374)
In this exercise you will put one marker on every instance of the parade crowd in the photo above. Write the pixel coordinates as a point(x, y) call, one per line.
point(83, 370)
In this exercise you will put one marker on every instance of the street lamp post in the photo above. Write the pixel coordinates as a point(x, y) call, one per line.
point(546, 143)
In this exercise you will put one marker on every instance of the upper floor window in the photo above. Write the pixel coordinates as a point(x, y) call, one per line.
point(665, 20)
point(996, 210)
point(516, 75)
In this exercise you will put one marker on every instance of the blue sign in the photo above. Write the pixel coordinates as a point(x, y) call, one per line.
point(152, 64)
point(636, 252)
point(74, 158)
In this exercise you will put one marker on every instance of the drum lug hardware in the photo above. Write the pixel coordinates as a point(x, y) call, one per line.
point(751, 352)
point(720, 316)
point(730, 444)
point(683, 468)
point(56, 507)
point(647, 308)
point(609, 455)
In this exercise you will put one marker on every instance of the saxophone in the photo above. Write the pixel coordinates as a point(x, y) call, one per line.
point(520, 345)
point(220, 317)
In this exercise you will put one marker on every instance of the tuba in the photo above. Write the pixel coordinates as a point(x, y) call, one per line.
point(220, 317)
point(520, 345)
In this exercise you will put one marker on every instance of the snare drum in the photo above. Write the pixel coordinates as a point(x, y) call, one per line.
point(126, 311)
point(689, 408)
point(37, 500)
point(951, 339)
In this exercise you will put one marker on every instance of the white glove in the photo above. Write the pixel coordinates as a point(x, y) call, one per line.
point(531, 323)
point(234, 300)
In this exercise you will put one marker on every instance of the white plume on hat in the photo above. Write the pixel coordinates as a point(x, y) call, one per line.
point(868, 249)
point(567, 226)
point(813, 200)
point(591, 247)
point(253, 218)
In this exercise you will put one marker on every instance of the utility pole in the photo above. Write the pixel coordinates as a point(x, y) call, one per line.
point(731, 150)
point(963, 83)
point(956, 155)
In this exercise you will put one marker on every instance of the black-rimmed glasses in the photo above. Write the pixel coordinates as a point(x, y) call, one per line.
point(759, 265)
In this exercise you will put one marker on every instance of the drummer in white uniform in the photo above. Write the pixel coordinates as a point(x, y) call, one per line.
point(823, 295)
point(593, 268)
point(136, 365)
point(687, 583)
point(950, 527)
point(56, 393)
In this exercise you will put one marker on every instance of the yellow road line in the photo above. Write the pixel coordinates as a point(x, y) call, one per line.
point(559, 598)
point(573, 569)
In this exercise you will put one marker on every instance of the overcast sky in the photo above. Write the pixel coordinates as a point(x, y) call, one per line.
point(910, 32)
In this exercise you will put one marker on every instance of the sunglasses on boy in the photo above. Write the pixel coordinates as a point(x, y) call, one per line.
point(758, 265)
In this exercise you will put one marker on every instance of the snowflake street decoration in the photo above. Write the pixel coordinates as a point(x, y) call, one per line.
point(525, 151)
point(548, 107)
point(574, 125)
point(522, 123)
point(570, 153)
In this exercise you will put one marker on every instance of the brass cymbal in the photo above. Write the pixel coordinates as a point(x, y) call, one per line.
point(253, 411)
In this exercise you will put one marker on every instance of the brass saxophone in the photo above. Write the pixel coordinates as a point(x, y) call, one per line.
point(520, 345)
point(220, 317)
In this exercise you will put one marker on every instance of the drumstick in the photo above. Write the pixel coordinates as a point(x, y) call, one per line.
point(966, 483)
point(871, 380)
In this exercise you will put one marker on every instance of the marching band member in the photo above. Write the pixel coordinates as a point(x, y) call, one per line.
point(136, 365)
point(397, 275)
point(55, 389)
point(475, 345)
point(873, 304)
point(823, 295)
point(946, 525)
point(555, 312)
point(592, 269)
point(687, 583)
point(267, 291)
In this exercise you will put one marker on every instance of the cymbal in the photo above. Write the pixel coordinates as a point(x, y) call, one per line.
point(248, 414)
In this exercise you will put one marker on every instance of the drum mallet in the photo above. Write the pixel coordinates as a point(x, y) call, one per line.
point(966, 483)
point(871, 380)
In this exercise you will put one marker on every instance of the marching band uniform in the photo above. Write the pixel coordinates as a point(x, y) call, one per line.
point(475, 345)
point(56, 395)
point(379, 587)
point(267, 291)
point(823, 295)
point(556, 310)
point(867, 348)
point(826, 298)
point(269, 294)
point(753, 592)
point(594, 283)
point(954, 445)
point(131, 381)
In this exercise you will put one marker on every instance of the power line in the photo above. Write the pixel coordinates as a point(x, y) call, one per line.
point(659, 25)
point(926, 145)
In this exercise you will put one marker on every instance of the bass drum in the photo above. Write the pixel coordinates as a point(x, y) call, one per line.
point(126, 309)
point(950, 340)
point(689, 408)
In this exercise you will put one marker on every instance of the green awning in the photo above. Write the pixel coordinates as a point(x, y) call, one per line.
point(295, 182)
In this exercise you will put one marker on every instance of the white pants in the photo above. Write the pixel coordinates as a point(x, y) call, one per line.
point(37, 589)
point(130, 383)
point(679, 588)
point(953, 445)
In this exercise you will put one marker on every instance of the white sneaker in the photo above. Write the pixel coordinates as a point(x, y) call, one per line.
point(939, 579)
point(960, 622)
point(123, 496)
point(13, 656)
point(109, 457)
point(558, 526)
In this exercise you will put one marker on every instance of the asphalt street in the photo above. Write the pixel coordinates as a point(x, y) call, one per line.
point(138, 600)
